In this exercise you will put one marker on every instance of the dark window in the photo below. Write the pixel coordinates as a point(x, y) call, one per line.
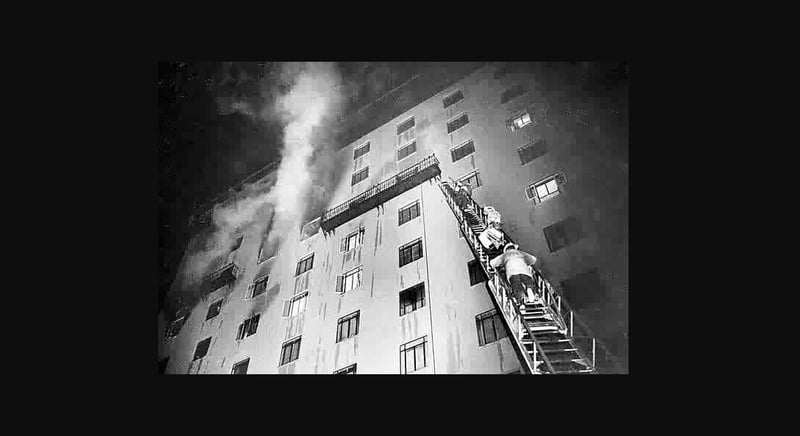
point(511, 93)
point(310, 229)
point(347, 327)
point(407, 150)
point(473, 180)
point(175, 327)
point(237, 243)
point(408, 213)
point(214, 309)
point(563, 233)
point(457, 123)
point(410, 252)
point(412, 355)
point(162, 365)
point(304, 265)
point(202, 348)
point(361, 151)
point(290, 351)
point(586, 290)
point(402, 127)
point(412, 299)
point(259, 287)
point(248, 327)
point(452, 99)
point(462, 151)
point(476, 274)
point(241, 367)
point(350, 370)
point(359, 176)
point(532, 150)
point(490, 327)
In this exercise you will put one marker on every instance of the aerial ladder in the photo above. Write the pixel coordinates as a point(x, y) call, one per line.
point(547, 335)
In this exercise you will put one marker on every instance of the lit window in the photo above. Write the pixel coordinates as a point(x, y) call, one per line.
point(490, 327)
point(349, 281)
point(290, 351)
point(412, 355)
point(546, 189)
point(241, 367)
point(519, 121)
point(347, 327)
point(248, 327)
point(412, 299)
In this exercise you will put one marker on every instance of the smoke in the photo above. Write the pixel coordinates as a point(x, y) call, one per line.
point(307, 100)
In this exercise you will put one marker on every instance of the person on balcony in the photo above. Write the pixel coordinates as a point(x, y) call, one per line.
point(518, 264)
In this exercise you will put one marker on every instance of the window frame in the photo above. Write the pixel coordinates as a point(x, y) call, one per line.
point(408, 207)
point(182, 320)
point(404, 146)
point(417, 303)
point(341, 280)
point(302, 260)
point(359, 240)
point(360, 171)
point(404, 351)
point(290, 342)
point(293, 303)
point(469, 175)
point(348, 319)
point(409, 246)
point(219, 301)
point(346, 370)
point(239, 363)
point(456, 118)
point(462, 145)
point(246, 326)
point(532, 191)
point(513, 126)
point(197, 347)
point(444, 99)
point(480, 323)
point(532, 145)
point(359, 148)
point(251, 289)
point(475, 265)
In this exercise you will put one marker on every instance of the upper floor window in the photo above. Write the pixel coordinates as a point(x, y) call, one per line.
point(361, 151)
point(295, 306)
point(546, 188)
point(406, 151)
point(258, 287)
point(457, 123)
point(413, 355)
point(349, 370)
point(410, 252)
point(512, 93)
point(347, 327)
point(412, 299)
point(563, 233)
point(310, 229)
point(268, 248)
point(406, 131)
point(473, 180)
point(290, 351)
point(202, 348)
point(476, 273)
point(462, 151)
point(519, 121)
point(490, 327)
point(304, 265)
point(352, 240)
point(214, 309)
point(248, 327)
point(359, 176)
point(532, 150)
point(175, 327)
point(408, 213)
point(452, 99)
point(349, 281)
point(240, 368)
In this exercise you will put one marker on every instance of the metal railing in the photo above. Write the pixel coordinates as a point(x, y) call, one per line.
point(426, 162)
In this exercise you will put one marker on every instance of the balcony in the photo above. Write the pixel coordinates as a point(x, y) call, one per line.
point(409, 178)
point(221, 277)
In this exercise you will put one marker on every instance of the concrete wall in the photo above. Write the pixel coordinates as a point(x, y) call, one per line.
point(590, 149)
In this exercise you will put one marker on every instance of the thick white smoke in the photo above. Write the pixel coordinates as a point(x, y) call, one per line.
point(312, 101)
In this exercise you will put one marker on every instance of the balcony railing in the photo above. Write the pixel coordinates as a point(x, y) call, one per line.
point(221, 277)
point(423, 170)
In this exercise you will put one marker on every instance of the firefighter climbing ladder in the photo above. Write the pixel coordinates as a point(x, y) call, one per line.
point(548, 335)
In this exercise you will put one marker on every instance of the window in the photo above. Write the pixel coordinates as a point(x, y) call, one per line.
point(410, 252)
point(406, 131)
point(412, 355)
point(349, 281)
point(462, 151)
point(214, 309)
point(350, 370)
point(511, 93)
point(237, 243)
point(476, 274)
point(361, 151)
point(531, 151)
point(295, 306)
point(241, 367)
point(248, 327)
point(359, 176)
point(563, 233)
point(546, 188)
point(347, 327)
point(408, 213)
point(175, 327)
point(457, 123)
point(290, 351)
point(258, 287)
point(406, 151)
point(452, 99)
point(310, 229)
point(352, 240)
point(490, 327)
point(473, 180)
point(519, 121)
point(412, 299)
point(304, 265)
point(268, 248)
point(202, 348)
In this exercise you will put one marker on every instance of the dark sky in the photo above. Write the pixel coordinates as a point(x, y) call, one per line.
point(202, 149)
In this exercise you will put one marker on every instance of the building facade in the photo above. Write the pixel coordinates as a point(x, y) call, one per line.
point(395, 289)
